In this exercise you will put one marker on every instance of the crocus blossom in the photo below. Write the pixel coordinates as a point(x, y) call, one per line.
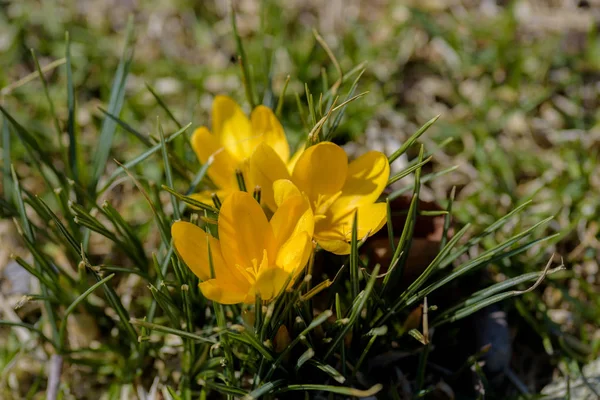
point(233, 140)
point(334, 188)
point(252, 254)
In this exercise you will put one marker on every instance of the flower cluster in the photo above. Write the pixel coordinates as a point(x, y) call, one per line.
point(312, 196)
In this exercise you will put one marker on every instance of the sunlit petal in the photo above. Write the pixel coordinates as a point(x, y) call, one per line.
point(268, 129)
point(293, 216)
point(338, 228)
point(283, 189)
point(191, 243)
point(292, 163)
point(271, 282)
point(266, 167)
point(208, 148)
point(366, 179)
point(294, 253)
point(339, 247)
point(321, 170)
point(244, 231)
point(232, 127)
point(222, 292)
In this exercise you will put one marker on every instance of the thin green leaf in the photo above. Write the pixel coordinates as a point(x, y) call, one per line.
point(115, 103)
point(191, 201)
point(162, 105)
point(28, 233)
point(71, 121)
point(333, 389)
point(168, 174)
point(30, 328)
point(489, 256)
point(408, 171)
point(354, 275)
point(282, 97)
point(71, 308)
point(315, 323)
point(247, 80)
point(130, 164)
point(48, 98)
point(329, 370)
point(424, 179)
point(264, 389)
point(411, 140)
point(354, 313)
point(6, 158)
point(340, 115)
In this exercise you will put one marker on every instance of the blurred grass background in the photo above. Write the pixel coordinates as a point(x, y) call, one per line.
point(516, 84)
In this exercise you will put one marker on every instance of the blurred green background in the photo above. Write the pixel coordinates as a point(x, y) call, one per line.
point(516, 85)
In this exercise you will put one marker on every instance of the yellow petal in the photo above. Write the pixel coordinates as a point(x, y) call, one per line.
point(205, 196)
point(209, 149)
point(266, 167)
point(293, 216)
point(292, 163)
point(221, 292)
point(367, 177)
point(294, 254)
point(267, 127)
point(338, 227)
point(232, 127)
point(371, 218)
point(244, 231)
point(339, 247)
point(321, 170)
point(191, 243)
point(284, 188)
point(271, 282)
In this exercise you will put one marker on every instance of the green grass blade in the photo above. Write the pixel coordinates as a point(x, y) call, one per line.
point(497, 288)
point(478, 238)
point(354, 273)
point(39, 156)
point(355, 311)
point(162, 105)
point(71, 308)
point(282, 97)
point(30, 328)
point(489, 256)
point(329, 370)
point(320, 319)
point(424, 179)
point(448, 218)
point(28, 233)
point(249, 339)
point(333, 389)
point(71, 121)
point(131, 164)
point(115, 103)
point(264, 389)
point(48, 98)
point(6, 158)
point(411, 140)
point(247, 79)
point(127, 127)
point(340, 115)
point(191, 201)
point(408, 171)
point(168, 174)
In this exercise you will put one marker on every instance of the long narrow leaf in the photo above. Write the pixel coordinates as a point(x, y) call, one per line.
point(115, 103)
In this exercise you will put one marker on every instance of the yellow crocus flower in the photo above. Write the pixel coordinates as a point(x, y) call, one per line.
point(233, 140)
point(252, 254)
point(334, 188)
